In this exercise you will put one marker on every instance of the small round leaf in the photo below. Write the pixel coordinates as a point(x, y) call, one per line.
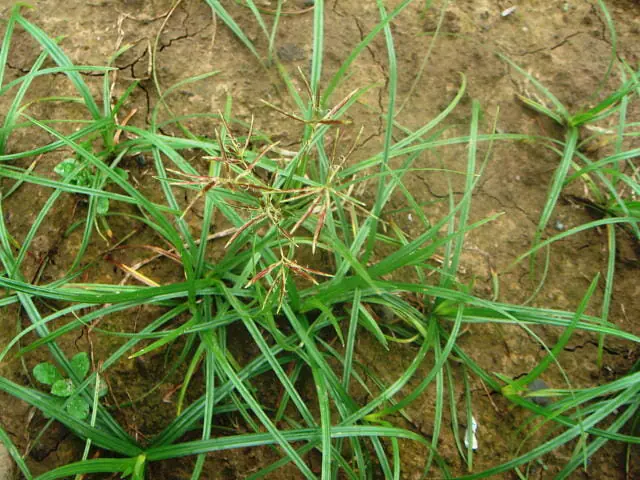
point(78, 408)
point(80, 364)
point(62, 388)
point(46, 373)
point(65, 167)
point(103, 206)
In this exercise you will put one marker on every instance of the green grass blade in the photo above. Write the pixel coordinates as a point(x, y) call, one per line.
point(6, 40)
point(11, 113)
point(275, 435)
point(557, 348)
point(233, 26)
point(325, 422)
point(451, 265)
point(15, 454)
point(317, 53)
point(342, 71)
point(562, 114)
point(56, 53)
point(372, 220)
point(608, 287)
point(557, 183)
point(601, 413)
point(98, 465)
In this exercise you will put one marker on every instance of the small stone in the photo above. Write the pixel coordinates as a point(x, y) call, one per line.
point(41, 245)
point(386, 314)
point(587, 20)
point(452, 22)
point(558, 225)
point(290, 52)
point(536, 385)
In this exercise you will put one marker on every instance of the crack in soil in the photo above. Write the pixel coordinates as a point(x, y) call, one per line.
point(609, 350)
point(482, 191)
point(430, 190)
point(186, 35)
point(553, 47)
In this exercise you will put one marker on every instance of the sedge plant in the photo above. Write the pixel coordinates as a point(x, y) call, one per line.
point(303, 321)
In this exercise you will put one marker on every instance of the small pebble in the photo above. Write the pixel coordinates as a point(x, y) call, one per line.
point(508, 11)
point(385, 313)
point(290, 52)
point(561, 227)
point(471, 432)
point(536, 385)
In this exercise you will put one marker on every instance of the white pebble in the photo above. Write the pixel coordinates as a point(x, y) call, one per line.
point(471, 433)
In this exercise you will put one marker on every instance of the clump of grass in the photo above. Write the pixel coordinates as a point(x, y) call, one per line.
point(611, 181)
point(303, 320)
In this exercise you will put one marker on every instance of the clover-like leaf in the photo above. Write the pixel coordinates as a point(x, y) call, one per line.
point(80, 364)
point(103, 206)
point(62, 388)
point(46, 373)
point(65, 167)
point(78, 408)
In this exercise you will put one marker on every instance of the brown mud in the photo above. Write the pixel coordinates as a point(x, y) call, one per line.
point(564, 44)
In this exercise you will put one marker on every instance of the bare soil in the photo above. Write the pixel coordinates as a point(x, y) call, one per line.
point(564, 44)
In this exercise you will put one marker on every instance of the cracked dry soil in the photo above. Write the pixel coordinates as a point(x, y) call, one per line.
point(564, 44)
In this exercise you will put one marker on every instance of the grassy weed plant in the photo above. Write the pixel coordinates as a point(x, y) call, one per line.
point(304, 321)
